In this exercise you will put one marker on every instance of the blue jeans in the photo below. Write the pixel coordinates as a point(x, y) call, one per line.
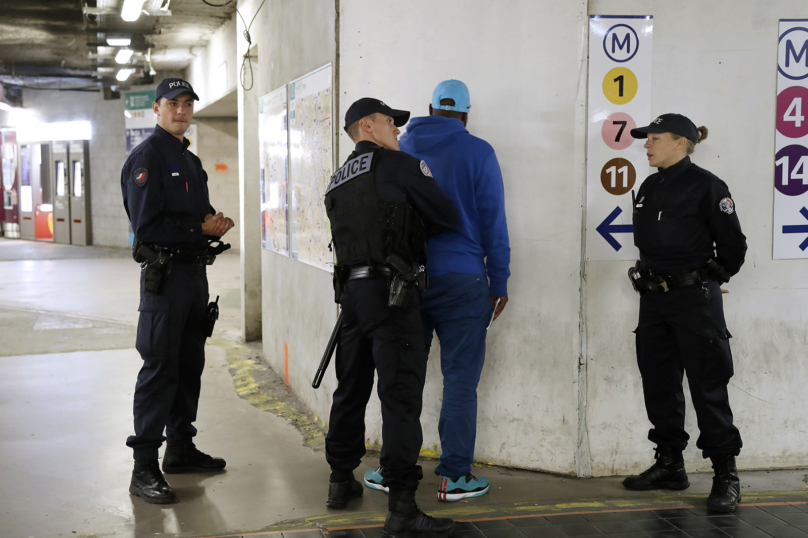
point(458, 307)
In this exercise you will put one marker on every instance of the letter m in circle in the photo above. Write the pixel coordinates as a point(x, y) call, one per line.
point(626, 43)
point(791, 51)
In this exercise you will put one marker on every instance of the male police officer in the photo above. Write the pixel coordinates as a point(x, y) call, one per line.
point(382, 205)
point(165, 195)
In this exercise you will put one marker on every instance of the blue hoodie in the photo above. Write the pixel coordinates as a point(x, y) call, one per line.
point(466, 169)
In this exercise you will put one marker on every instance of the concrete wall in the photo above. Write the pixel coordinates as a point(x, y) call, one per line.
point(522, 62)
point(541, 407)
point(218, 151)
point(716, 63)
point(292, 39)
point(206, 70)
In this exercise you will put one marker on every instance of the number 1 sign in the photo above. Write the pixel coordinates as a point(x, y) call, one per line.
point(790, 171)
point(619, 100)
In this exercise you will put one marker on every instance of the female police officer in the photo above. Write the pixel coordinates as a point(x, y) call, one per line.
point(690, 241)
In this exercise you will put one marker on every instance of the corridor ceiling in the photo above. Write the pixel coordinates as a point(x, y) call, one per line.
point(62, 44)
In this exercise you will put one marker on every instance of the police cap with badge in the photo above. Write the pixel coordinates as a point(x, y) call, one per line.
point(669, 123)
point(172, 87)
point(368, 105)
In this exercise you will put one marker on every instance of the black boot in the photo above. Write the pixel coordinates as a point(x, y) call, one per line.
point(149, 484)
point(342, 487)
point(726, 492)
point(405, 520)
point(189, 459)
point(667, 473)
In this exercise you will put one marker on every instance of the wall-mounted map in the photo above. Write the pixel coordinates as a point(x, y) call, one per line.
point(311, 166)
point(274, 154)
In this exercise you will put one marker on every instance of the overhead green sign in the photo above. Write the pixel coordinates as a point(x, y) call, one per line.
point(139, 100)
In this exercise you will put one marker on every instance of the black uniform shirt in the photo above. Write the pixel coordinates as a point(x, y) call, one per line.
point(683, 216)
point(399, 179)
point(165, 192)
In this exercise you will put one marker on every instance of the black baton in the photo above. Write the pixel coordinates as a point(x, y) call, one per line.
point(329, 351)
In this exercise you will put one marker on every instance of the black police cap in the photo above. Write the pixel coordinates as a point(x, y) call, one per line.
point(172, 87)
point(669, 123)
point(367, 106)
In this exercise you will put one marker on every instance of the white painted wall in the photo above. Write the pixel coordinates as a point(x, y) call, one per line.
point(716, 63)
point(217, 141)
point(206, 69)
point(521, 61)
point(525, 63)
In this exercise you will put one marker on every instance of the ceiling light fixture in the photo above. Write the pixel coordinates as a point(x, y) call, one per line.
point(124, 55)
point(131, 10)
point(119, 41)
point(123, 74)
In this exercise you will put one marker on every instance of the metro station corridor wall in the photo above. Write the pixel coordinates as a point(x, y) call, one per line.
point(715, 62)
point(525, 62)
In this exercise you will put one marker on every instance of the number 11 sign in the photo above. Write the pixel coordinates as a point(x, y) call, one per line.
point(791, 143)
point(619, 100)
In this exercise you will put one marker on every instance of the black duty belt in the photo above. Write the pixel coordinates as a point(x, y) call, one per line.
point(192, 257)
point(369, 271)
point(676, 280)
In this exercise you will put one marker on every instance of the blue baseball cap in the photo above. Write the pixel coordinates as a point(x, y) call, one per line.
point(452, 89)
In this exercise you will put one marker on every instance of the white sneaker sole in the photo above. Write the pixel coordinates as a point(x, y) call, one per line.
point(374, 485)
point(449, 497)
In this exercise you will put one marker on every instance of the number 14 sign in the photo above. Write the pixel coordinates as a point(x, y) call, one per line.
point(791, 142)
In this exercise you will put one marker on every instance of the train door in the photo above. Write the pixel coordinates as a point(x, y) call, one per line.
point(9, 153)
point(80, 192)
point(29, 162)
point(61, 198)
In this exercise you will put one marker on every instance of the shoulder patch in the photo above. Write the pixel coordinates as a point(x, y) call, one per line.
point(727, 206)
point(357, 166)
point(140, 176)
point(425, 169)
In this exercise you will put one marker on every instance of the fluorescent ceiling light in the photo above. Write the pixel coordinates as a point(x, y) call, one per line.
point(119, 41)
point(43, 132)
point(124, 55)
point(131, 10)
point(123, 74)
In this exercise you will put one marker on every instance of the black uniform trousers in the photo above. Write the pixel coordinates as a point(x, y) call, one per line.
point(683, 331)
point(374, 336)
point(171, 342)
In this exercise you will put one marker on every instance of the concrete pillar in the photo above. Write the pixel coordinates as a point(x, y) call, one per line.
point(250, 198)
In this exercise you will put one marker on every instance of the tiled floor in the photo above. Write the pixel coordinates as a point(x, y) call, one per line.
point(771, 520)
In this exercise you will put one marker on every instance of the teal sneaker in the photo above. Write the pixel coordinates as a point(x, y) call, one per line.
point(373, 479)
point(454, 489)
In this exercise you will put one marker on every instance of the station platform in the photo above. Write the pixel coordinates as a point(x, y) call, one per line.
point(67, 373)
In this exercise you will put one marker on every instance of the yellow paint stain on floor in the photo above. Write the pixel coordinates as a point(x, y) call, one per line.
point(243, 369)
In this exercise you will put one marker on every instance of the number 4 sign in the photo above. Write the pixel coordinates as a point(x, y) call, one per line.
point(791, 142)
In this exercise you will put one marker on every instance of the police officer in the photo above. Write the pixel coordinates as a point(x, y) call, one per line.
point(165, 195)
point(690, 242)
point(382, 205)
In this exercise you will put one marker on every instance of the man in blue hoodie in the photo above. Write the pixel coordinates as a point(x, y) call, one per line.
point(468, 271)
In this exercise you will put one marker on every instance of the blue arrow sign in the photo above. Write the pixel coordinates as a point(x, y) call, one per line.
point(606, 229)
point(799, 229)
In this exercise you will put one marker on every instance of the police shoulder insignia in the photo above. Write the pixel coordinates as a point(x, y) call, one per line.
point(727, 206)
point(140, 176)
point(425, 169)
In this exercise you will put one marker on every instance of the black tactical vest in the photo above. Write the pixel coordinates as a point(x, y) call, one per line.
point(364, 230)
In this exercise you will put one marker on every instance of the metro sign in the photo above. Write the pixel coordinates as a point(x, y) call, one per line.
point(621, 43)
point(792, 54)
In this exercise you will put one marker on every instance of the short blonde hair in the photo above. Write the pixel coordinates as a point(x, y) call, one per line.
point(353, 129)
